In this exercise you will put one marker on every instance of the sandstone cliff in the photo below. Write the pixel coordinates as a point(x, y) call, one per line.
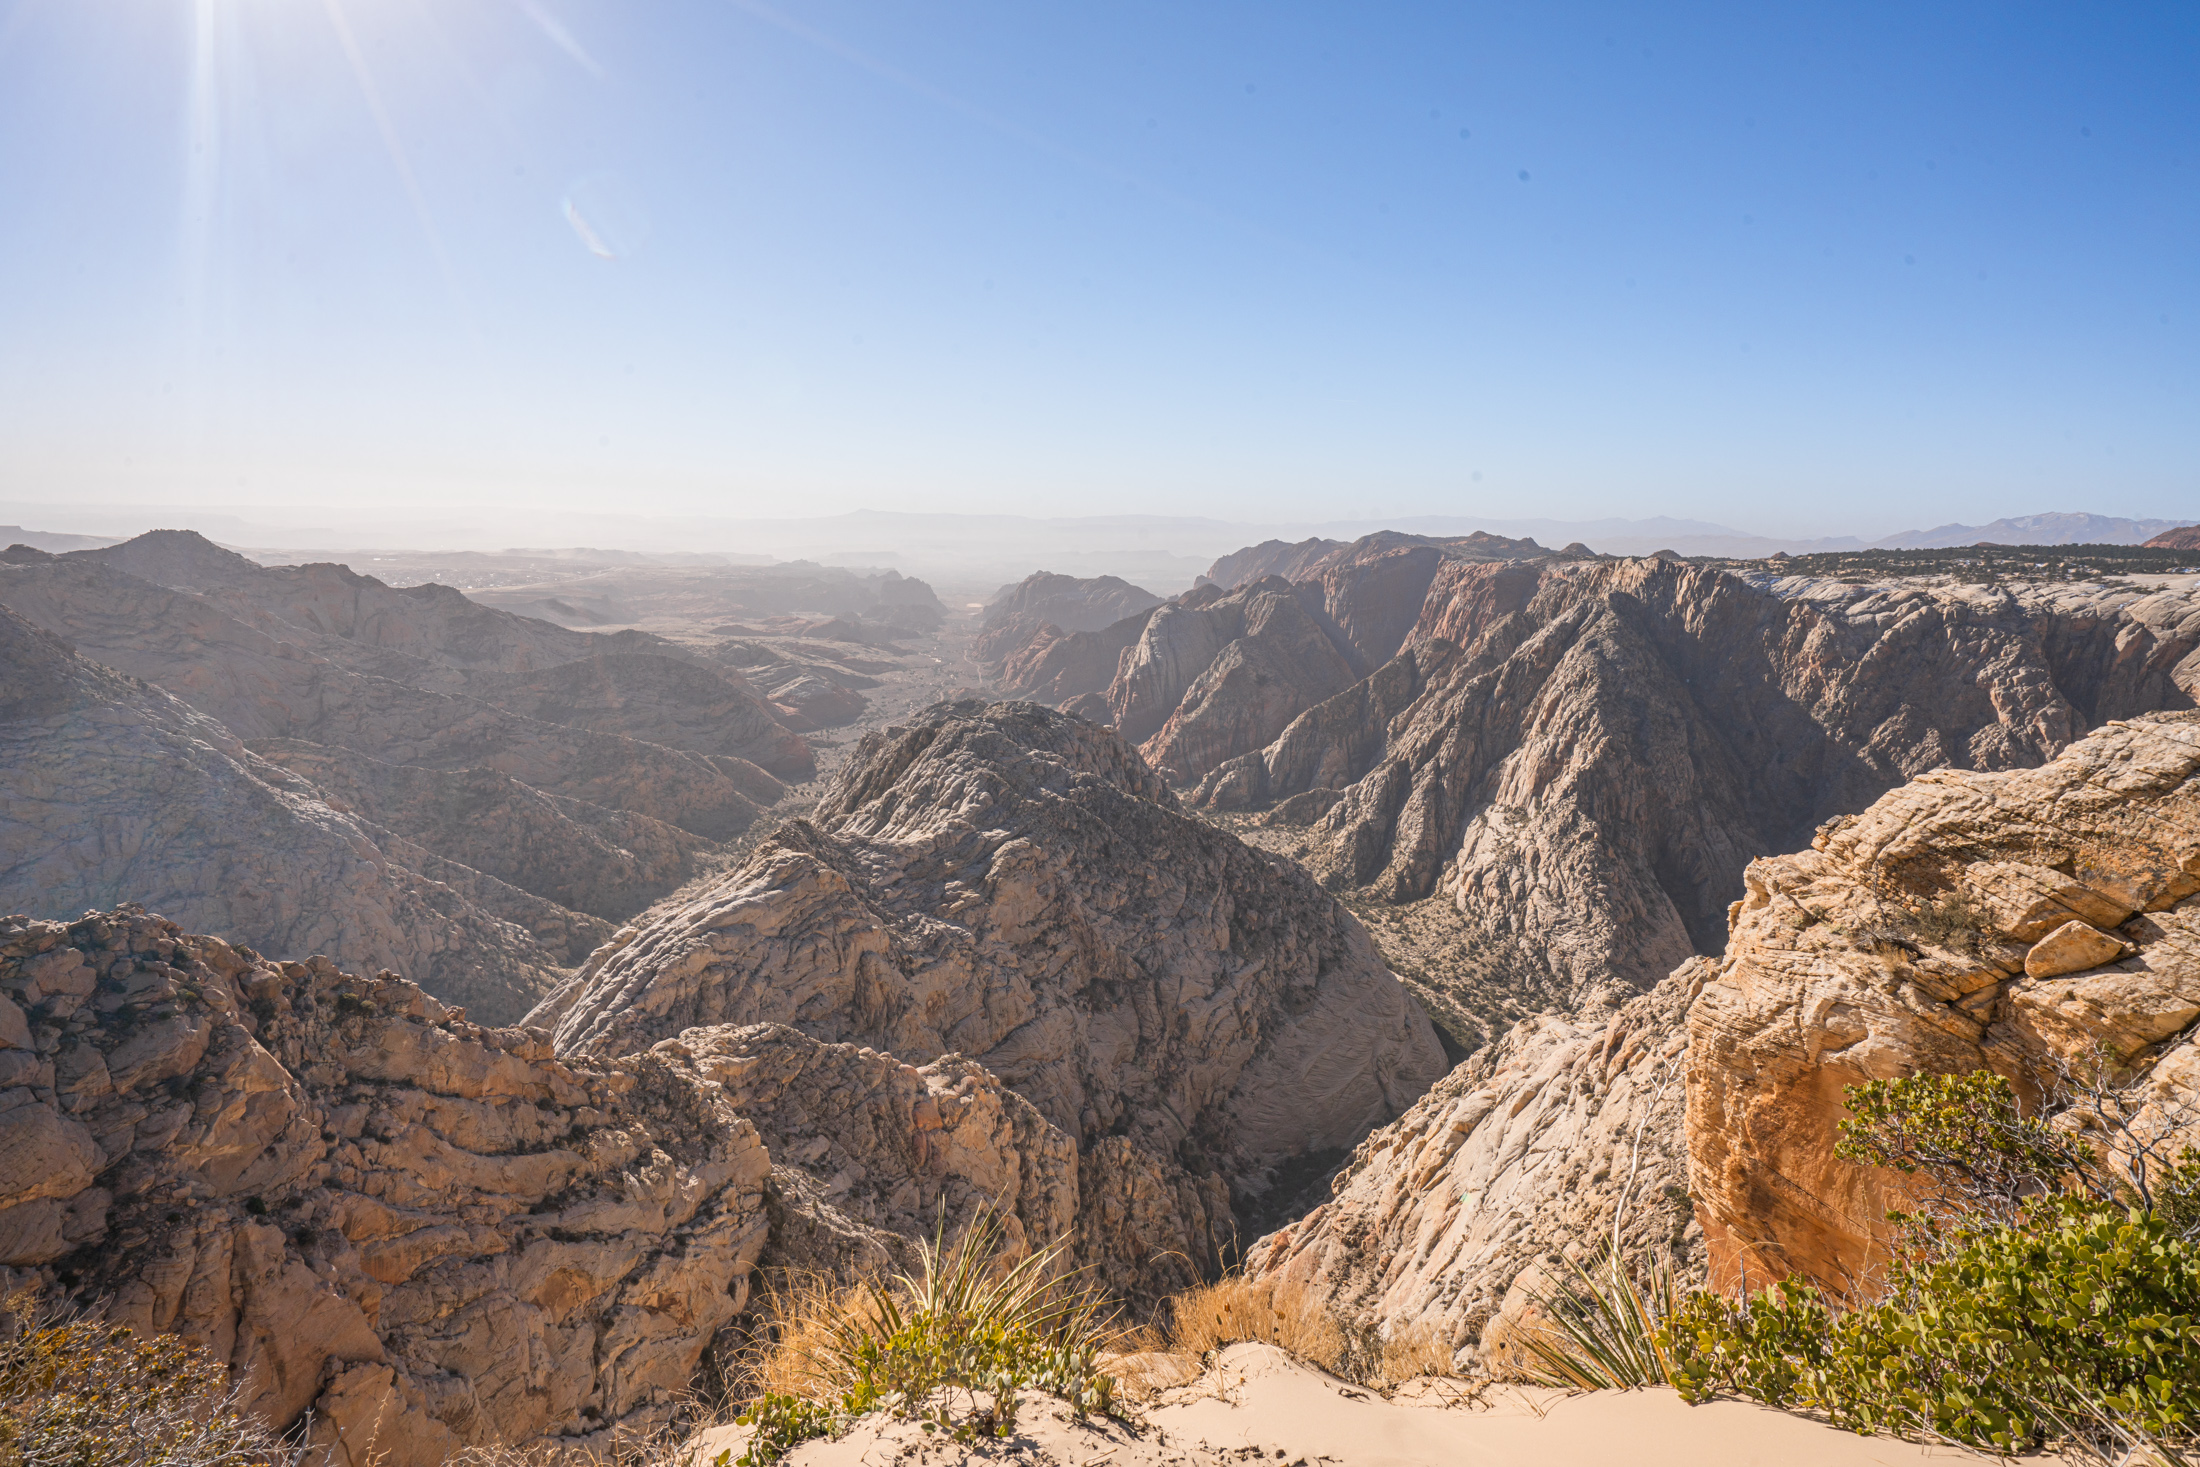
point(1306, 558)
point(1212, 675)
point(1580, 758)
point(1018, 886)
point(115, 790)
point(1065, 603)
point(2015, 921)
point(434, 1235)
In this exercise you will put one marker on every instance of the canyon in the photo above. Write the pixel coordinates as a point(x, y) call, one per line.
point(483, 993)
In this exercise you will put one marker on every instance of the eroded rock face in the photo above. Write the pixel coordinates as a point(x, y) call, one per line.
point(1932, 933)
point(1066, 603)
point(435, 1235)
point(1017, 886)
point(1593, 751)
point(1537, 1146)
point(1212, 675)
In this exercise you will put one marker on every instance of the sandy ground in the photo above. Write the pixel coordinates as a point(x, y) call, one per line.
point(1258, 1404)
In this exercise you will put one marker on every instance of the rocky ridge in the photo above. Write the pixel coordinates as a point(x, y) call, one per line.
point(117, 790)
point(434, 1235)
point(1578, 759)
point(1018, 886)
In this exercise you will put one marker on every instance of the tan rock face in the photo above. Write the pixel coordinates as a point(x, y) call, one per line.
point(1563, 1136)
point(2070, 947)
point(1932, 933)
point(435, 1235)
point(1068, 604)
point(1017, 886)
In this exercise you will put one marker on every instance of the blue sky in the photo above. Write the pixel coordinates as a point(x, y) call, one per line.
point(1800, 269)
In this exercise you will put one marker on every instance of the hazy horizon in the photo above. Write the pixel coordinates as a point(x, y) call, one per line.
point(1801, 274)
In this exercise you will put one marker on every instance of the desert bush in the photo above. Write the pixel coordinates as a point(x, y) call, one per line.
point(1292, 1317)
point(79, 1392)
point(1986, 1337)
point(949, 1346)
point(2051, 1288)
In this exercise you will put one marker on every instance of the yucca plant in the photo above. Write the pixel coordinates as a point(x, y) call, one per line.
point(948, 1346)
point(1600, 1329)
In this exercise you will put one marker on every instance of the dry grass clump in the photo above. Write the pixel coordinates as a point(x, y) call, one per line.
point(1236, 1309)
point(1290, 1316)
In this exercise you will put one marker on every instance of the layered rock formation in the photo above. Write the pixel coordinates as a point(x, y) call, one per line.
point(115, 790)
point(1308, 558)
point(2024, 922)
point(1214, 674)
point(1018, 886)
point(1065, 603)
point(260, 686)
point(2187, 538)
point(433, 1235)
point(1582, 757)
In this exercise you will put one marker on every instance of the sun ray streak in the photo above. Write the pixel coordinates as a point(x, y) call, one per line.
point(396, 149)
point(559, 35)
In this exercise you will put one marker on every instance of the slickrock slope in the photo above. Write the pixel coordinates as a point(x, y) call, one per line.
point(664, 700)
point(114, 789)
point(1065, 603)
point(1053, 666)
point(1213, 675)
point(1581, 758)
point(1017, 886)
point(1447, 1218)
point(434, 1235)
point(1934, 932)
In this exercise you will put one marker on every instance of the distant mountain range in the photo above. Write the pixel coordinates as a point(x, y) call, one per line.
point(2033, 529)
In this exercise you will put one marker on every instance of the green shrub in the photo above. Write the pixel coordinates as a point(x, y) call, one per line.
point(948, 1347)
point(1986, 1338)
point(2050, 1289)
point(1600, 1330)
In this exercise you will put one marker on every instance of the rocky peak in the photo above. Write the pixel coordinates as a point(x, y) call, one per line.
point(178, 559)
point(1017, 886)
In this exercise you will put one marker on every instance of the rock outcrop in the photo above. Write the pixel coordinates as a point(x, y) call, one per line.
point(1213, 675)
point(1054, 666)
point(2187, 538)
point(434, 1235)
point(1938, 932)
point(116, 790)
point(1309, 558)
point(1019, 887)
point(1582, 757)
point(1558, 1141)
point(1065, 603)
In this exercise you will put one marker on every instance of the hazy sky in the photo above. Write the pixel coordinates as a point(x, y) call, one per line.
point(1815, 268)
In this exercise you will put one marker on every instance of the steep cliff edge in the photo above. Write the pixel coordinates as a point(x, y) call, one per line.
point(434, 1235)
point(1934, 933)
point(1018, 886)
